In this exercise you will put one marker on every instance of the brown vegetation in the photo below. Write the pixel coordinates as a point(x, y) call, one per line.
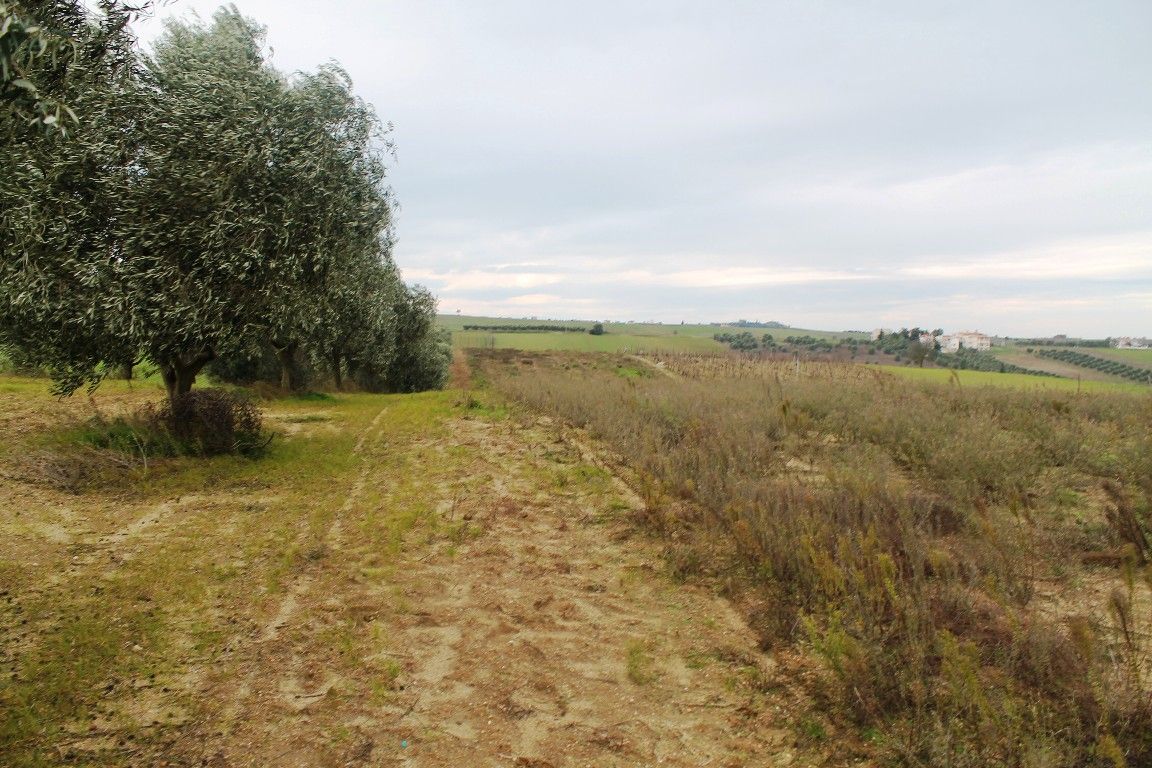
point(925, 540)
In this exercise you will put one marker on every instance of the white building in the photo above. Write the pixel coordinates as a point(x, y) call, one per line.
point(953, 342)
point(1128, 342)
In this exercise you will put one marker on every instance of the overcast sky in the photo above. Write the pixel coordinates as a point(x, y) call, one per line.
point(830, 164)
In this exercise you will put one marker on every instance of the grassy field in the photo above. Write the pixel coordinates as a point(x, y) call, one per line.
point(583, 342)
point(1018, 355)
point(949, 575)
point(660, 336)
point(971, 562)
point(1023, 359)
point(1015, 380)
point(1141, 357)
point(166, 552)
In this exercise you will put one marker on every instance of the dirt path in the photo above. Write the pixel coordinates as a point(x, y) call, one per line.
point(531, 626)
point(451, 589)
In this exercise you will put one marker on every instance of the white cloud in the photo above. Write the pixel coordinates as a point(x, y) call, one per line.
point(479, 280)
point(1121, 257)
point(881, 163)
point(727, 277)
point(593, 273)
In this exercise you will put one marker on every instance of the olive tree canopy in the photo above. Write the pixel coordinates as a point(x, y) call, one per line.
point(206, 202)
point(47, 44)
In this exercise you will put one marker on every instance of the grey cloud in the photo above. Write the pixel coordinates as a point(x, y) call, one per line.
point(873, 138)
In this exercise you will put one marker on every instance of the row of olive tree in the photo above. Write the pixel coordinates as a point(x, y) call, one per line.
point(201, 205)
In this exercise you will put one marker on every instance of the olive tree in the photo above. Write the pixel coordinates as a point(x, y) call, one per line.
point(206, 205)
point(46, 45)
point(148, 232)
point(423, 352)
point(356, 331)
point(201, 216)
point(59, 298)
point(338, 211)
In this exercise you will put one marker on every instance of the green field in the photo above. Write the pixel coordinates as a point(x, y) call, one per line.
point(1141, 357)
point(1013, 380)
point(662, 337)
point(1130, 356)
point(583, 342)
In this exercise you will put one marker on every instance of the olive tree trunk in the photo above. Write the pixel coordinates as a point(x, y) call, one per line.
point(337, 376)
point(286, 355)
point(179, 372)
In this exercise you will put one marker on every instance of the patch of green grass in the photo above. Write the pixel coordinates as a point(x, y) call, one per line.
point(313, 397)
point(812, 730)
point(477, 405)
point(82, 645)
point(24, 385)
point(639, 663)
point(304, 418)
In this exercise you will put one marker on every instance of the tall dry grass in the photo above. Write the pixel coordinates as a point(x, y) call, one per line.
point(944, 550)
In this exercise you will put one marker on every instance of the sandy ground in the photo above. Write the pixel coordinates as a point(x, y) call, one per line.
point(511, 648)
point(518, 618)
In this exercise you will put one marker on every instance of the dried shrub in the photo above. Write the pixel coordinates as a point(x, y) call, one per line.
point(72, 471)
point(898, 530)
point(209, 422)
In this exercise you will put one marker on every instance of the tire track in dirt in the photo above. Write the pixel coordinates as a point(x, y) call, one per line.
point(547, 635)
point(296, 593)
point(555, 639)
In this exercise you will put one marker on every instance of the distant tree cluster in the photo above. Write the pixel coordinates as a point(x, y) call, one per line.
point(756, 324)
point(201, 206)
point(1065, 342)
point(813, 343)
point(914, 344)
point(745, 341)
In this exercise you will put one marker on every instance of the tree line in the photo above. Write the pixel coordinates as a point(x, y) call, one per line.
point(745, 341)
point(1113, 367)
point(192, 205)
point(527, 328)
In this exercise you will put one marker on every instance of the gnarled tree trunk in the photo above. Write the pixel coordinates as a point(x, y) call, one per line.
point(180, 372)
point(286, 354)
point(337, 376)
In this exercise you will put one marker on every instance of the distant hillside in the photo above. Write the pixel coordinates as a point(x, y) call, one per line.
point(457, 323)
